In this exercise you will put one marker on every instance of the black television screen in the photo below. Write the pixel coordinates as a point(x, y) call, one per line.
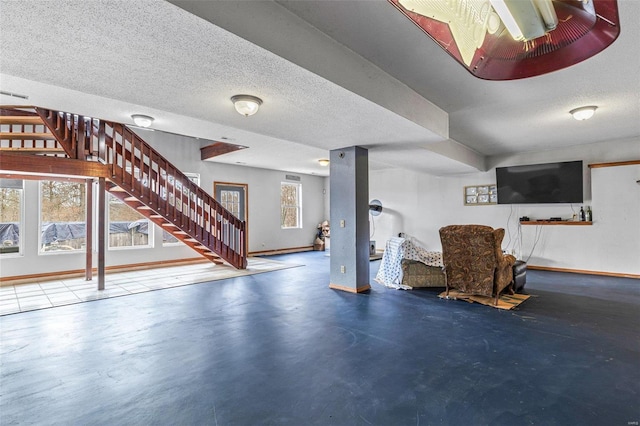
point(540, 183)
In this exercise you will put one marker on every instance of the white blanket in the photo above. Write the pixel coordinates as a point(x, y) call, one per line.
point(396, 249)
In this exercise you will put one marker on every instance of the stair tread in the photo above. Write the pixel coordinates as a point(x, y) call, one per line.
point(20, 119)
point(26, 136)
point(33, 150)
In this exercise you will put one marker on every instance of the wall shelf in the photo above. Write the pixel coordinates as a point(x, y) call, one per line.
point(555, 222)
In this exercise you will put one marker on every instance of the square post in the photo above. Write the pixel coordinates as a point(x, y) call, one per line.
point(349, 182)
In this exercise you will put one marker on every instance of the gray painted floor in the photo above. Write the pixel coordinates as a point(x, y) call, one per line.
point(282, 348)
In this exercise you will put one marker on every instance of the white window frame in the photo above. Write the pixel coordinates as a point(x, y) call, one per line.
point(21, 227)
point(150, 229)
point(41, 251)
point(298, 207)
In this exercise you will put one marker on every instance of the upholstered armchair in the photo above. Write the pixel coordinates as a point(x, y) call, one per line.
point(473, 260)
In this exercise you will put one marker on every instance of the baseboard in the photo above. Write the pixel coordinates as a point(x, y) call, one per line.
point(25, 279)
point(584, 271)
point(361, 289)
point(281, 251)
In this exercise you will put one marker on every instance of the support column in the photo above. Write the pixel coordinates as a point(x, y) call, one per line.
point(349, 200)
point(88, 269)
point(102, 230)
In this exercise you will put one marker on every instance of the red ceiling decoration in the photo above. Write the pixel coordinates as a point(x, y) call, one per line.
point(584, 29)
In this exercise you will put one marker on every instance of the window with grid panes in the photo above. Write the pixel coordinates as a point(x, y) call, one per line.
point(231, 201)
point(290, 205)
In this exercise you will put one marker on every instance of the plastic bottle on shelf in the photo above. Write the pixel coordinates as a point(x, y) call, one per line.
point(588, 214)
point(582, 215)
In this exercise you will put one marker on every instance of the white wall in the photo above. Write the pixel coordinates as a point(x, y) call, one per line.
point(414, 203)
point(264, 213)
point(419, 204)
point(263, 191)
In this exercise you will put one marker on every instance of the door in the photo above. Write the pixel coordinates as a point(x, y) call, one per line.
point(233, 197)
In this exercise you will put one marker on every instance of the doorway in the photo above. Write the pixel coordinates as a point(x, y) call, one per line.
point(233, 197)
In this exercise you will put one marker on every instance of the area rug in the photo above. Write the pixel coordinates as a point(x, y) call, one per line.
point(506, 301)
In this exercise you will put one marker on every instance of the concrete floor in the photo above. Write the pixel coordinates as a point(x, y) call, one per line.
point(282, 348)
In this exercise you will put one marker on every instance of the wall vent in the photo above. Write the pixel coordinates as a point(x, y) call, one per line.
point(15, 95)
point(292, 177)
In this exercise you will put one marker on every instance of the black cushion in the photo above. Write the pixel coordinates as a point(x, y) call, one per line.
point(519, 275)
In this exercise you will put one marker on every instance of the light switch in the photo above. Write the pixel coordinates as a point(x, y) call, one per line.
point(342, 269)
point(341, 223)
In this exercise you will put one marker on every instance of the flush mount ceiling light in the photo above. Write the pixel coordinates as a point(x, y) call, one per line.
point(142, 120)
point(583, 113)
point(323, 162)
point(246, 104)
point(512, 39)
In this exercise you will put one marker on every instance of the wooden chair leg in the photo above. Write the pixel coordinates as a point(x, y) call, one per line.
point(446, 284)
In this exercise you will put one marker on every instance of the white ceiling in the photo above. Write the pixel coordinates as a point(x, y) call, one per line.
point(331, 74)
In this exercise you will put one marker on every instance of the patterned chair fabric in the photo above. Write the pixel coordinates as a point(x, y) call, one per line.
point(473, 260)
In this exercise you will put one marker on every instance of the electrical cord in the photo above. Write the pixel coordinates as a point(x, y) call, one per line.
point(508, 225)
point(537, 236)
point(519, 239)
point(373, 223)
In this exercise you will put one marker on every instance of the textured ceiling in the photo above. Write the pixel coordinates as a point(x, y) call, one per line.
point(496, 117)
point(333, 74)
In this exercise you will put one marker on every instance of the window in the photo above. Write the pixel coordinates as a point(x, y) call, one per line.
point(11, 201)
point(62, 216)
point(127, 227)
point(230, 200)
point(290, 205)
point(169, 240)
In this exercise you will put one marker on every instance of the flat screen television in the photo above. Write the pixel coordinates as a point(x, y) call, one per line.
point(540, 183)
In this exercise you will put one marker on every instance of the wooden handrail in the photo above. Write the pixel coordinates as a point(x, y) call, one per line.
point(145, 174)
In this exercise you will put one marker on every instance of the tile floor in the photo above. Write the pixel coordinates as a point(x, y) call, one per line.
point(47, 294)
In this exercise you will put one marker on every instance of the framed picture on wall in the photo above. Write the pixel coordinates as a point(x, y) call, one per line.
point(480, 195)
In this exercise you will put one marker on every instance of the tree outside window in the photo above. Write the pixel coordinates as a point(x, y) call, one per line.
point(290, 205)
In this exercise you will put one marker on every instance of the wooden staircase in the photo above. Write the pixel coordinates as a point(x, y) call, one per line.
point(26, 133)
point(135, 172)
